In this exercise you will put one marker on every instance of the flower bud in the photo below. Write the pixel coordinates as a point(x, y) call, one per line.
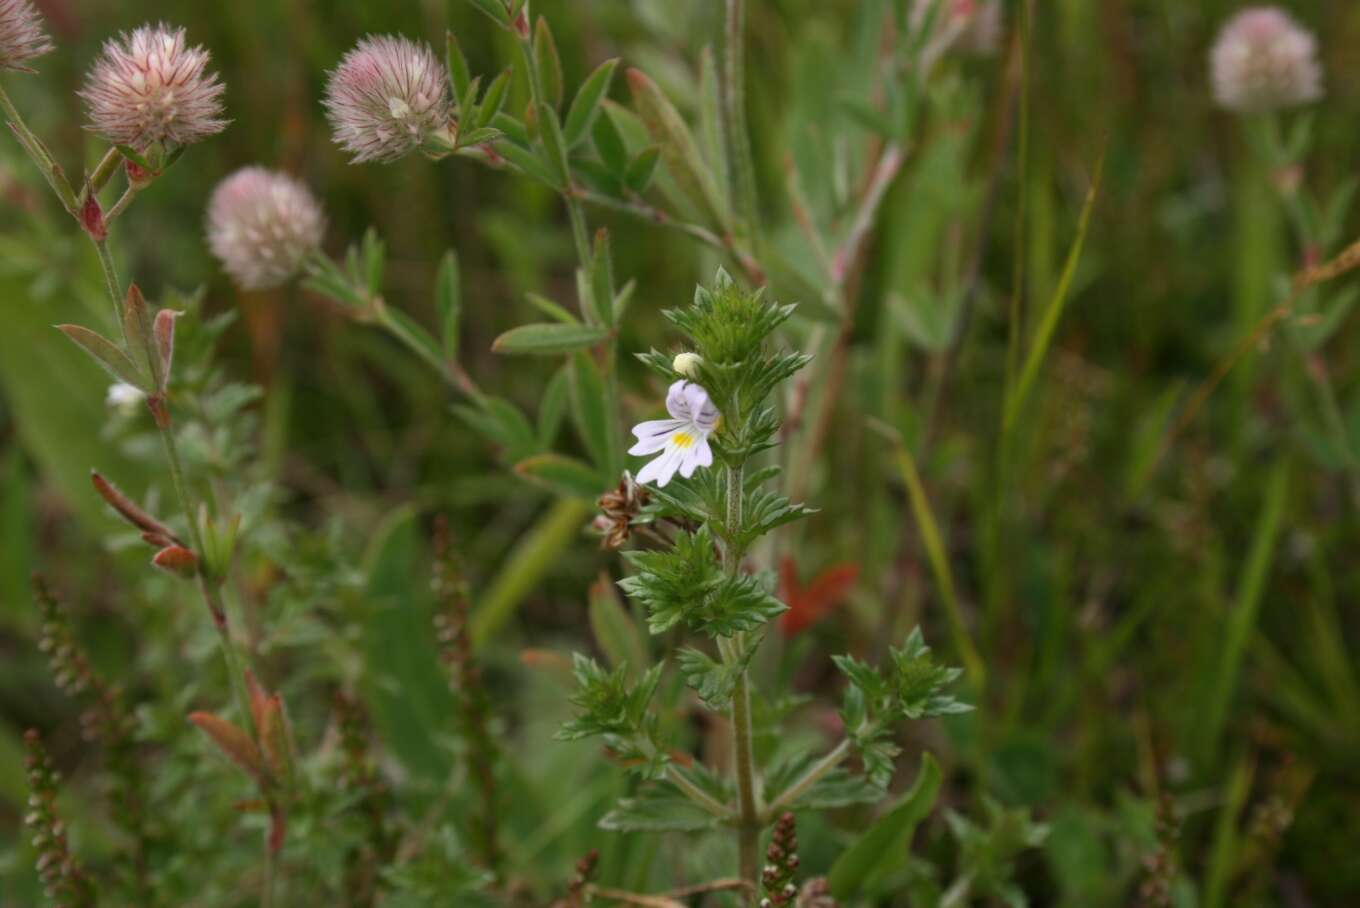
point(1263, 60)
point(150, 89)
point(263, 226)
point(177, 560)
point(124, 398)
point(687, 364)
point(21, 34)
point(387, 96)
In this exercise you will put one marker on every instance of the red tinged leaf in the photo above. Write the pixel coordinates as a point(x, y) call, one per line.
point(810, 604)
point(232, 741)
point(164, 331)
point(134, 515)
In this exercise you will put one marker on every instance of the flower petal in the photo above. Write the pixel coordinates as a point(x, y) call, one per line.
point(653, 435)
point(677, 404)
point(663, 468)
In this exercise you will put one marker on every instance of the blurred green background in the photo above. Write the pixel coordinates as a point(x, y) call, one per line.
point(1189, 629)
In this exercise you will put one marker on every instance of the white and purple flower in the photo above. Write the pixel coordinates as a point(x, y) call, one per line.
point(681, 440)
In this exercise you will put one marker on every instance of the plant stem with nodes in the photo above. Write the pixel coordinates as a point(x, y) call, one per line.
point(580, 232)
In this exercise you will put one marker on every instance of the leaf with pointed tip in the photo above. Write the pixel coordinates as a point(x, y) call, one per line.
point(493, 100)
point(460, 78)
point(232, 741)
point(549, 63)
point(549, 338)
point(109, 355)
point(585, 107)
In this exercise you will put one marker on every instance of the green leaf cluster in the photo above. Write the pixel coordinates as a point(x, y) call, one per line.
point(687, 584)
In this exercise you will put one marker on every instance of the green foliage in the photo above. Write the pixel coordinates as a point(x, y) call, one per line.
point(688, 585)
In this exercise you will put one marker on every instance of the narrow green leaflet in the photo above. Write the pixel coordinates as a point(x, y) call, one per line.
point(108, 355)
point(585, 107)
point(448, 298)
point(549, 338)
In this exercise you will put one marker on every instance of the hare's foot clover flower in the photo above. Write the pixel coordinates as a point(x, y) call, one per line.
point(386, 98)
point(263, 226)
point(150, 88)
point(21, 34)
point(682, 439)
point(1263, 60)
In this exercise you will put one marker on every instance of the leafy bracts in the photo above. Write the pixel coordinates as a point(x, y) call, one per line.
point(613, 706)
point(687, 585)
point(915, 688)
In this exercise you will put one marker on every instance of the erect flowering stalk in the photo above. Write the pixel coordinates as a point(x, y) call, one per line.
point(62, 876)
point(151, 95)
point(781, 863)
point(700, 580)
point(106, 720)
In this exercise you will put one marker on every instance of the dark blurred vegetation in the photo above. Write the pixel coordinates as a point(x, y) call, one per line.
point(1187, 630)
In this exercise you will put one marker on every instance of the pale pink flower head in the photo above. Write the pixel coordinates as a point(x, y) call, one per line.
point(21, 34)
point(1263, 60)
point(263, 226)
point(150, 88)
point(387, 96)
point(973, 26)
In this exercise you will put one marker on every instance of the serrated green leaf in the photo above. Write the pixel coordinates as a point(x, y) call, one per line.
point(549, 338)
point(585, 107)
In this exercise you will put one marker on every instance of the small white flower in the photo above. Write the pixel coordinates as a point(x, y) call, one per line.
point(124, 397)
point(687, 364)
point(682, 439)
